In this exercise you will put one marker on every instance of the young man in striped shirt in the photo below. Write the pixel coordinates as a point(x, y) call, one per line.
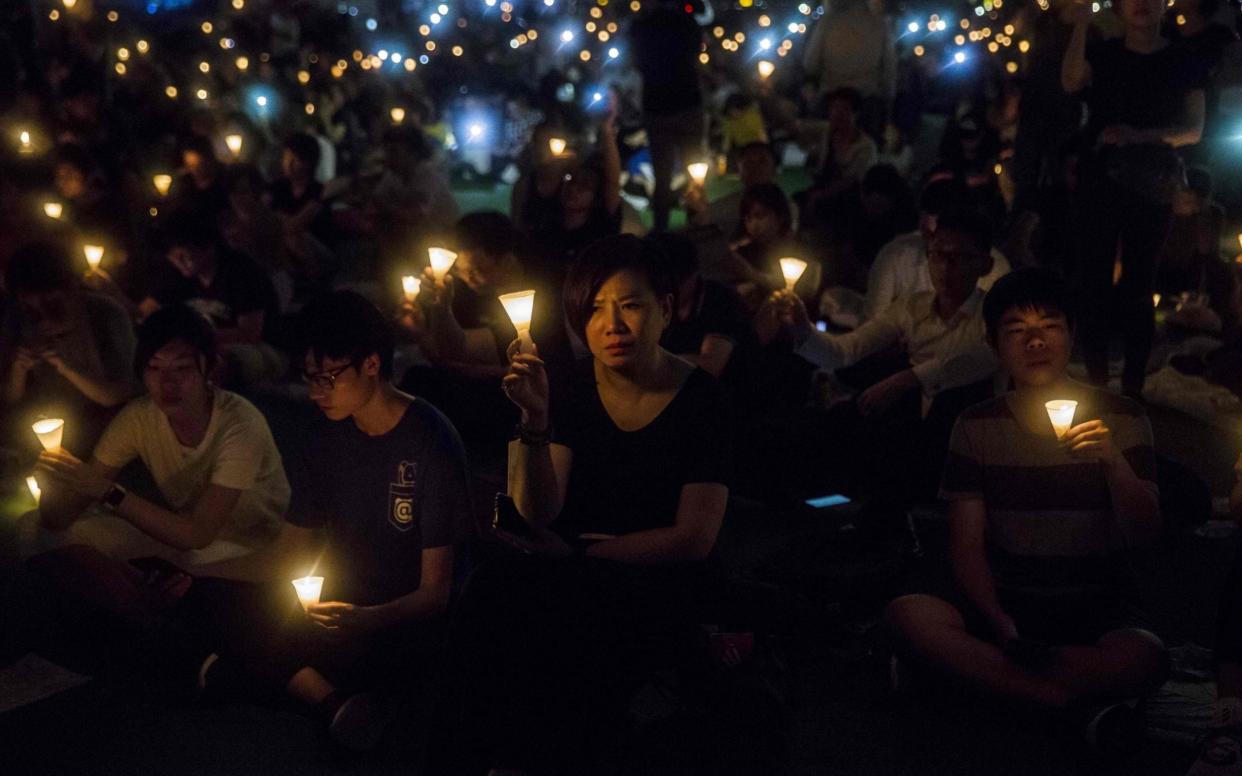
point(1043, 611)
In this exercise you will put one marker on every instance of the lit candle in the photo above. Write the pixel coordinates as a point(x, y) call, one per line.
point(698, 172)
point(234, 142)
point(557, 145)
point(792, 269)
point(308, 590)
point(1061, 413)
point(1155, 300)
point(162, 183)
point(94, 255)
point(33, 484)
point(441, 260)
point(24, 140)
point(69, 4)
point(766, 69)
point(397, 115)
point(50, 432)
point(520, 306)
point(53, 209)
point(411, 285)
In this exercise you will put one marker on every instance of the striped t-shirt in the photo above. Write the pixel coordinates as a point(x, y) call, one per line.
point(1050, 524)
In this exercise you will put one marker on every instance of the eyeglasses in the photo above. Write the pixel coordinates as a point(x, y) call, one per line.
point(326, 381)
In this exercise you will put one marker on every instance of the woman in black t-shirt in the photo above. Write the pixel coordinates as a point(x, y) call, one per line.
point(1146, 98)
point(632, 464)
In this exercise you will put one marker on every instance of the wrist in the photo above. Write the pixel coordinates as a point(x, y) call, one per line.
point(534, 422)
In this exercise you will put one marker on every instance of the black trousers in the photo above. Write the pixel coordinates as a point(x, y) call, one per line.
point(1118, 222)
point(542, 654)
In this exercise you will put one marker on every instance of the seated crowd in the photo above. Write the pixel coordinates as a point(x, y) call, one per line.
point(865, 339)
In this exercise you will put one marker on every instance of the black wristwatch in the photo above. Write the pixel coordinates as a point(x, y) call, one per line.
point(533, 438)
point(113, 498)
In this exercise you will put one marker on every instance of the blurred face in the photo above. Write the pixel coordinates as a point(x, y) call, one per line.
point(762, 224)
point(198, 166)
point(840, 114)
point(188, 260)
point(70, 182)
point(1139, 14)
point(477, 270)
point(627, 320)
point(49, 314)
point(876, 203)
point(756, 167)
point(1034, 345)
point(176, 378)
point(340, 387)
point(579, 189)
point(956, 264)
point(292, 166)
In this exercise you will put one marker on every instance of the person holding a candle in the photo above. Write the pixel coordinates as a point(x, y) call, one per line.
point(631, 466)
point(210, 454)
point(1043, 609)
point(380, 506)
point(64, 348)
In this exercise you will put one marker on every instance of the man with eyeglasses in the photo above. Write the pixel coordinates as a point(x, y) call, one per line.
point(890, 441)
point(380, 503)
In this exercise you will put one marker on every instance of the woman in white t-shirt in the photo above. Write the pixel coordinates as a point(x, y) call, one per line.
point(210, 453)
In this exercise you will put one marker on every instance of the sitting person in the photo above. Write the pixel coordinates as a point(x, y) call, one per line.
point(631, 465)
point(209, 452)
point(767, 235)
point(1039, 524)
point(228, 288)
point(67, 350)
point(899, 425)
point(1221, 751)
point(900, 268)
point(380, 504)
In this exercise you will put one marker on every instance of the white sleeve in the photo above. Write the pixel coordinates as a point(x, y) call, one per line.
point(122, 439)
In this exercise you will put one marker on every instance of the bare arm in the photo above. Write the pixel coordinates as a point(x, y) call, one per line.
point(192, 531)
point(1075, 69)
point(968, 556)
point(59, 506)
point(1189, 131)
point(538, 479)
point(107, 393)
point(611, 185)
point(700, 512)
point(1135, 504)
point(713, 356)
point(291, 555)
point(432, 596)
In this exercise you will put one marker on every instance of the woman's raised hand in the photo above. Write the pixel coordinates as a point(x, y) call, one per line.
point(526, 385)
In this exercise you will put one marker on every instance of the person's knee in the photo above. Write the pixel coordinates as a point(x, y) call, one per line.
point(908, 617)
point(1141, 654)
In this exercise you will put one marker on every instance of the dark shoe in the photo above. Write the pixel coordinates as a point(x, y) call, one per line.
point(359, 723)
point(1116, 727)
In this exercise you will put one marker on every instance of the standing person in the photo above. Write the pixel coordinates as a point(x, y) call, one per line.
point(666, 44)
point(1146, 100)
point(1043, 609)
point(852, 47)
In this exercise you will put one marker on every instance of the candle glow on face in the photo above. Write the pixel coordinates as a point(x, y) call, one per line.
point(441, 261)
point(698, 172)
point(162, 183)
point(94, 255)
point(1061, 413)
point(50, 432)
point(308, 589)
point(411, 285)
point(35, 491)
point(792, 269)
point(234, 143)
point(557, 146)
point(53, 209)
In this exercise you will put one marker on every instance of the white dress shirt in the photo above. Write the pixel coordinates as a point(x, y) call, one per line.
point(943, 353)
point(900, 269)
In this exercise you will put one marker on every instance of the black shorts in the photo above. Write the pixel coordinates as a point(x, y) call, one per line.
point(1061, 619)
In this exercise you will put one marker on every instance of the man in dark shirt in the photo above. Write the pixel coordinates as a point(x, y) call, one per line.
point(379, 504)
point(666, 48)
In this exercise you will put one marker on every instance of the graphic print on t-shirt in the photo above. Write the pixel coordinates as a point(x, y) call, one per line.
point(401, 496)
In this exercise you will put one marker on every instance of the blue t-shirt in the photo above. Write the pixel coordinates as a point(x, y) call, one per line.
point(381, 500)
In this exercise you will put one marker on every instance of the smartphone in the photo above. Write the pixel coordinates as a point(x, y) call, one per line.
point(821, 326)
point(823, 502)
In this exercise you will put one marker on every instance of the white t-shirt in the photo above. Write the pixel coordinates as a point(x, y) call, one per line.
point(237, 452)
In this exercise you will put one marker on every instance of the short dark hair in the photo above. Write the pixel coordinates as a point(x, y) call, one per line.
point(40, 267)
point(187, 228)
point(601, 260)
point(976, 226)
point(943, 194)
point(681, 257)
point(487, 231)
point(345, 324)
point(770, 196)
point(757, 146)
point(850, 96)
point(1032, 288)
point(304, 146)
point(172, 323)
